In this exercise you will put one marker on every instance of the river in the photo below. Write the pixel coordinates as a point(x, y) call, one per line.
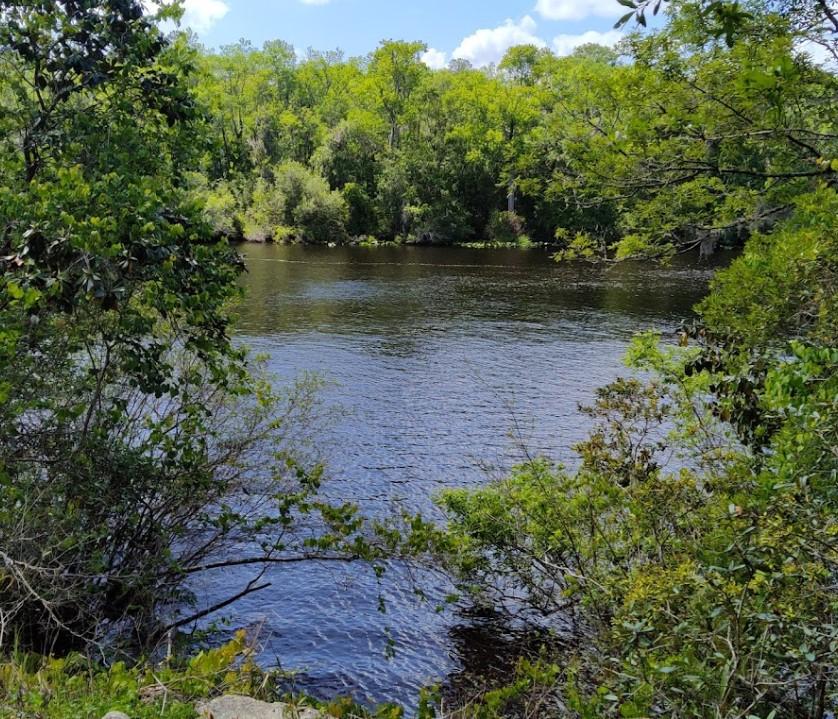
point(449, 366)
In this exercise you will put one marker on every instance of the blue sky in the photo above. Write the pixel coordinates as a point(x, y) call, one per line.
point(477, 30)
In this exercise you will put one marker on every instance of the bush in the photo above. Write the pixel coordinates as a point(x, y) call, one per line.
point(267, 210)
point(322, 218)
point(102, 532)
point(126, 453)
point(296, 203)
point(691, 558)
point(294, 183)
point(48, 688)
point(221, 211)
point(506, 228)
point(362, 219)
point(439, 224)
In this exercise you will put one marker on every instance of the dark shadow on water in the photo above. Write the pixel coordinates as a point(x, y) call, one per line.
point(488, 647)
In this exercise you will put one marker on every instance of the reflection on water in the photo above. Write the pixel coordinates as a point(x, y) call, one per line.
point(451, 363)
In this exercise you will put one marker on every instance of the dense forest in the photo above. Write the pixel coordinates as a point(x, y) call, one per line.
point(663, 144)
point(140, 447)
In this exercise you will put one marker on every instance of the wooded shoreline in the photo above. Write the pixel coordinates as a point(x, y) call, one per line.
point(141, 447)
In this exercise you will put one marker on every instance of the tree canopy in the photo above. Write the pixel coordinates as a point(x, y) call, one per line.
point(682, 139)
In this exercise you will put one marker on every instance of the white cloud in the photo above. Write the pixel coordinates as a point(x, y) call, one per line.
point(578, 9)
point(435, 59)
point(489, 45)
point(566, 44)
point(316, 2)
point(201, 15)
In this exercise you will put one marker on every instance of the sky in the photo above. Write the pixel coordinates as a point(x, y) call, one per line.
point(476, 30)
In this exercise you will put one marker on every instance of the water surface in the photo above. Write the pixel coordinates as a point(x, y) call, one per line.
point(452, 365)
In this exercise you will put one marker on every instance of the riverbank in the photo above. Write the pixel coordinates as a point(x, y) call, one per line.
point(220, 683)
point(523, 243)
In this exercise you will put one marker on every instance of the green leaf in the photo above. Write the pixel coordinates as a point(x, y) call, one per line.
point(623, 20)
point(15, 291)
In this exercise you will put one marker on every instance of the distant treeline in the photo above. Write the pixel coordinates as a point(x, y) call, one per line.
point(603, 151)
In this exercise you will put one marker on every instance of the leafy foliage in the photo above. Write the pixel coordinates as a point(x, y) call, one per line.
point(137, 449)
point(690, 555)
point(686, 566)
point(73, 686)
point(688, 138)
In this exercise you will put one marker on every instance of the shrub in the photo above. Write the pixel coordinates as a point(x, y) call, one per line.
point(138, 449)
point(74, 686)
point(221, 211)
point(322, 218)
point(294, 183)
point(506, 228)
point(105, 516)
point(362, 219)
point(267, 210)
point(691, 558)
point(300, 203)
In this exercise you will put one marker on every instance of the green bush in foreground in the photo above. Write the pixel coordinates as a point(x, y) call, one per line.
point(73, 687)
point(691, 559)
point(32, 686)
point(138, 448)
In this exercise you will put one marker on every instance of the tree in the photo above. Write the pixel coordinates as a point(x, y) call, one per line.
point(136, 450)
point(697, 145)
point(282, 61)
point(395, 72)
point(523, 64)
point(812, 20)
point(350, 153)
point(593, 52)
point(229, 91)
